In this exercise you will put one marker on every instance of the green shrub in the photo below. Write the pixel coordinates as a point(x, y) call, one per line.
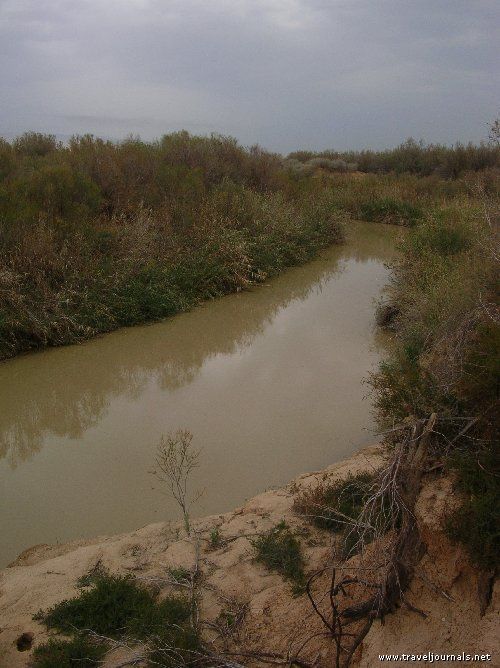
point(115, 606)
point(481, 366)
point(443, 274)
point(35, 144)
point(215, 540)
point(476, 523)
point(445, 232)
point(79, 651)
point(388, 210)
point(412, 157)
point(179, 574)
point(279, 550)
point(445, 359)
point(65, 277)
point(96, 234)
point(185, 650)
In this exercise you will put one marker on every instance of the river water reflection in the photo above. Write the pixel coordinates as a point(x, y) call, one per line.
point(269, 382)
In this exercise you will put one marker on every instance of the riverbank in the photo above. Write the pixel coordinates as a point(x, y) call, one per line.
point(90, 243)
point(247, 374)
point(98, 235)
point(268, 616)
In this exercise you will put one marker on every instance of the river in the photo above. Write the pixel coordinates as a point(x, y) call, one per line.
point(269, 382)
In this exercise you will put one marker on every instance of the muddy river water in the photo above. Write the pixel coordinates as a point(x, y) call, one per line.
point(269, 382)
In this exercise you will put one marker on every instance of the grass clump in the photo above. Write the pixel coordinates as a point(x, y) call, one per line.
point(476, 523)
point(280, 551)
point(179, 574)
point(334, 505)
point(78, 651)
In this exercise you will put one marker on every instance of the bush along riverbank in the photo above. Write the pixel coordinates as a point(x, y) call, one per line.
point(437, 402)
point(95, 235)
point(445, 312)
point(437, 399)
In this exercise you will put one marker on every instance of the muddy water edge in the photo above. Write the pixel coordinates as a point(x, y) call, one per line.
point(269, 381)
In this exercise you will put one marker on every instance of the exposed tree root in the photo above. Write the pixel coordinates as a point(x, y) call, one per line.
point(394, 496)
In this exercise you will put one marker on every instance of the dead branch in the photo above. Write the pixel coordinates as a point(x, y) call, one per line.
point(388, 516)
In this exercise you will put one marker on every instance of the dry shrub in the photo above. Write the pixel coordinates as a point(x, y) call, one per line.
point(334, 505)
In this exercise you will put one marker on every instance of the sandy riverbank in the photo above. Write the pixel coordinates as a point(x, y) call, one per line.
point(272, 620)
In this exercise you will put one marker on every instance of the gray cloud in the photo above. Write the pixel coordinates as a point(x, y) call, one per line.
point(284, 73)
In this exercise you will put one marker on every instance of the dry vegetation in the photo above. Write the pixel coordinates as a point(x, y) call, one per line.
point(437, 399)
point(96, 235)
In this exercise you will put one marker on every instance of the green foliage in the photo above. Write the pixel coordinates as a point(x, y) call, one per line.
point(445, 358)
point(215, 539)
point(186, 650)
point(336, 504)
point(92, 576)
point(35, 144)
point(476, 523)
point(279, 550)
point(442, 234)
point(481, 368)
point(95, 235)
point(412, 157)
point(78, 651)
point(116, 606)
point(180, 574)
point(389, 210)
point(445, 346)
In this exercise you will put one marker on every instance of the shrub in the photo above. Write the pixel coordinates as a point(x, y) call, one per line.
point(279, 550)
point(476, 523)
point(35, 144)
point(445, 359)
point(96, 234)
point(412, 157)
point(334, 505)
point(386, 315)
point(388, 210)
point(115, 606)
point(100, 235)
point(215, 539)
point(327, 164)
point(79, 651)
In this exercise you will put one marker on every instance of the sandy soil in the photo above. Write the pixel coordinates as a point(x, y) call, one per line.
point(445, 588)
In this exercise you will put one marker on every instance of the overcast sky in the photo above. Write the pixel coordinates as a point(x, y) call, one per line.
point(285, 74)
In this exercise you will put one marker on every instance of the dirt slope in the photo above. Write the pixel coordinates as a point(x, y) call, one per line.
point(272, 620)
